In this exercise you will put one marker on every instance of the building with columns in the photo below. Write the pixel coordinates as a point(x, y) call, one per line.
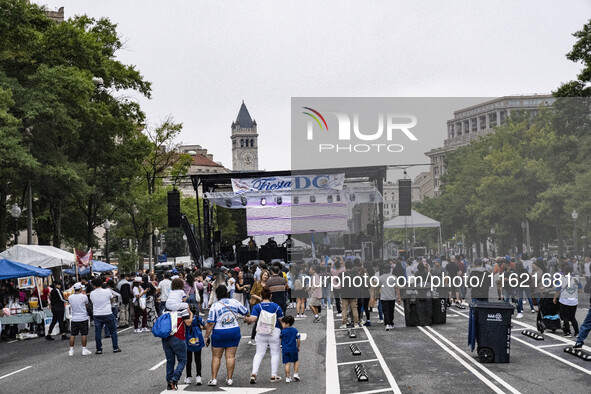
point(471, 123)
point(245, 147)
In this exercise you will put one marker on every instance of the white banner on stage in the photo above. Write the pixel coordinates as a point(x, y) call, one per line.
point(297, 219)
point(289, 183)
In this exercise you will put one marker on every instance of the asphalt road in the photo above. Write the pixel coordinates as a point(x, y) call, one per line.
point(407, 360)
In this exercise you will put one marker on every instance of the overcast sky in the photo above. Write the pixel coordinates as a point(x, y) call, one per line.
point(204, 58)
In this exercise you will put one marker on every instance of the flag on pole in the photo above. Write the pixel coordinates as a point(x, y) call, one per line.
point(83, 259)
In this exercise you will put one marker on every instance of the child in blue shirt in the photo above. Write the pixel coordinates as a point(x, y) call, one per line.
point(195, 342)
point(290, 342)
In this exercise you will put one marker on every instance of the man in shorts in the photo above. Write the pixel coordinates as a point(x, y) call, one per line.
point(80, 319)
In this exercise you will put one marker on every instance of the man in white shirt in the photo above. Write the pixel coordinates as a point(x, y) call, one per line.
point(164, 287)
point(78, 303)
point(103, 316)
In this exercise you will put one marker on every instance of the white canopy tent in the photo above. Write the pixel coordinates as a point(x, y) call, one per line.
point(43, 256)
point(415, 220)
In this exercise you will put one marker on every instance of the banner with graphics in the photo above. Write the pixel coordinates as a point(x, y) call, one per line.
point(295, 182)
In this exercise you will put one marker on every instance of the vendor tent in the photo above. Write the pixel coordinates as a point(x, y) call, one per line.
point(415, 220)
point(11, 269)
point(43, 256)
point(97, 266)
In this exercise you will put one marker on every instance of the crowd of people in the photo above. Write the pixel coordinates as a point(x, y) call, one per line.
point(210, 303)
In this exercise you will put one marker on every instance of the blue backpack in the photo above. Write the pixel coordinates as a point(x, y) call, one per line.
point(193, 336)
point(165, 325)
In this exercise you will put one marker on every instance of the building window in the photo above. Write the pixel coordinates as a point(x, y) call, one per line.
point(251, 143)
point(242, 143)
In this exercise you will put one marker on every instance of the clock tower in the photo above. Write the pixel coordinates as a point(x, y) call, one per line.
point(245, 147)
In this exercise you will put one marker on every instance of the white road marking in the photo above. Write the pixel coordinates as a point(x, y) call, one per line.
point(12, 373)
point(155, 367)
point(483, 378)
point(549, 334)
point(486, 381)
point(372, 391)
point(470, 358)
point(555, 345)
point(383, 364)
point(348, 343)
point(566, 341)
point(554, 356)
point(332, 371)
point(246, 390)
point(125, 329)
point(16, 340)
point(359, 362)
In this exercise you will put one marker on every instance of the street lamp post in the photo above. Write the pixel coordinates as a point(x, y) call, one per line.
point(575, 216)
point(15, 212)
point(492, 237)
point(156, 249)
point(107, 226)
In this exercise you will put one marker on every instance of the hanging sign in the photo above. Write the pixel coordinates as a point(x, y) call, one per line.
point(284, 183)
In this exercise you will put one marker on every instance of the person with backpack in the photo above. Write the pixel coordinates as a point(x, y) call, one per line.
point(195, 342)
point(267, 314)
point(174, 346)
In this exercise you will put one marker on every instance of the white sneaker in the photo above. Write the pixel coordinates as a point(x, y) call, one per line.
point(187, 380)
point(145, 329)
point(519, 316)
point(198, 381)
point(229, 382)
point(533, 311)
point(71, 352)
point(380, 321)
point(296, 377)
point(343, 326)
point(212, 382)
point(137, 330)
point(252, 342)
point(86, 352)
point(339, 315)
point(287, 379)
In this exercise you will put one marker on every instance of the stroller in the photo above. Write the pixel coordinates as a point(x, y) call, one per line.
point(548, 317)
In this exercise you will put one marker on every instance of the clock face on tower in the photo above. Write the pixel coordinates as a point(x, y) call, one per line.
point(248, 158)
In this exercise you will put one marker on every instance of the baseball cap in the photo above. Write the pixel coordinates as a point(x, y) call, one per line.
point(77, 286)
point(237, 269)
point(223, 269)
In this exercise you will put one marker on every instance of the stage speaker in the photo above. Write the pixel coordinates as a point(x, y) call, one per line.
point(347, 241)
point(174, 209)
point(404, 197)
point(217, 236)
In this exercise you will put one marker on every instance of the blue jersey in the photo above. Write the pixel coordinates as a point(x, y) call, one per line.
point(289, 337)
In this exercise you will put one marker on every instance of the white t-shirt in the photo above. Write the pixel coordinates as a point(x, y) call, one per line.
point(231, 284)
point(78, 302)
point(164, 287)
point(101, 302)
point(220, 313)
point(569, 290)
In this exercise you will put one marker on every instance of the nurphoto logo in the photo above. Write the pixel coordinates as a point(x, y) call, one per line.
point(390, 127)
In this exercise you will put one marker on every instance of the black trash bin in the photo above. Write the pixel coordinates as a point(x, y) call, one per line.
point(439, 305)
point(418, 306)
point(490, 328)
